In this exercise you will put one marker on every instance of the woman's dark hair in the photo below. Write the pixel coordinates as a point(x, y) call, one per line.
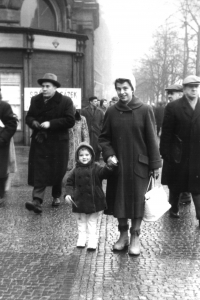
point(122, 80)
point(102, 101)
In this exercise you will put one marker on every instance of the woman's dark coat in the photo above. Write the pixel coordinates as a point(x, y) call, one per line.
point(94, 122)
point(48, 159)
point(129, 133)
point(10, 125)
point(84, 185)
point(180, 146)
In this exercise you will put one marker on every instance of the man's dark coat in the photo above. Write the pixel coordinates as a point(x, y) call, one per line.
point(180, 146)
point(48, 159)
point(129, 133)
point(10, 125)
point(94, 122)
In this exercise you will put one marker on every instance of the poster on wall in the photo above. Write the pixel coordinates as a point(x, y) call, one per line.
point(73, 93)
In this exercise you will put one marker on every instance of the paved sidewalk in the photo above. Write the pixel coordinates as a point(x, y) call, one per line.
point(39, 259)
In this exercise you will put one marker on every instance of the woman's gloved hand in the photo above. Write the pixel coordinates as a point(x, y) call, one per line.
point(155, 173)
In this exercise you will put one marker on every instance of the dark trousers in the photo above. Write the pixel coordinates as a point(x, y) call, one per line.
point(39, 191)
point(174, 201)
point(2, 186)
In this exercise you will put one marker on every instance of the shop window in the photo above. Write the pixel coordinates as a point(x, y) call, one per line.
point(11, 92)
point(38, 14)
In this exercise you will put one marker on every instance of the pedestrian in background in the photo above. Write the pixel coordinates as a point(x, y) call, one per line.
point(77, 134)
point(129, 134)
point(94, 117)
point(180, 147)
point(9, 122)
point(159, 115)
point(175, 92)
point(50, 116)
point(103, 105)
point(84, 187)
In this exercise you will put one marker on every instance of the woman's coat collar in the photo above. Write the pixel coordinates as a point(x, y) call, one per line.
point(133, 104)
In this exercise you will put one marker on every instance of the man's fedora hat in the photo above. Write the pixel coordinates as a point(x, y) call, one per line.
point(49, 77)
point(191, 79)
point(174, 88)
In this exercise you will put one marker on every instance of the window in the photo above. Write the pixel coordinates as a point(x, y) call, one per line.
point(11, 92)
point(38, 14)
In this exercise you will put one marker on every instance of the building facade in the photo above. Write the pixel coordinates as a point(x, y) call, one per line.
point(41, 36)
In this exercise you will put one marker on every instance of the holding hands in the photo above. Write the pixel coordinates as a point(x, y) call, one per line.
point(112, 161)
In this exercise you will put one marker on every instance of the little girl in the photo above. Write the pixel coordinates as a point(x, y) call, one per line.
point(84, 191)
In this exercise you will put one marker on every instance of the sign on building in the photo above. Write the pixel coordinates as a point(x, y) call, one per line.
point(74, 94)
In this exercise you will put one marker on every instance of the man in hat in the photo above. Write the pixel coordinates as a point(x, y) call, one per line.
point(180, 147)
point(50, 116)
point(175, 92)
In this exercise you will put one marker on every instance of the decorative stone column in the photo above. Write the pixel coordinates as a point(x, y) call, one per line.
point(85, 19)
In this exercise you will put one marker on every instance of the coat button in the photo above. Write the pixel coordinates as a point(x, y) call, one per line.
point(197, 176)
point(121, 112)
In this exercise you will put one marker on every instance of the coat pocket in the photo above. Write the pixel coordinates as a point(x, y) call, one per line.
point(142, 166)
point(64, 136)
point(99, 192)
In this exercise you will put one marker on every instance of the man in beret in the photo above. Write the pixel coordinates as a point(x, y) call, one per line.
point(50, 116)
point(180, 147)
point(175, 92)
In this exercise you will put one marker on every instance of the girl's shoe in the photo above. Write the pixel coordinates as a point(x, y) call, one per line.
point(81, 241)
point(92, 243)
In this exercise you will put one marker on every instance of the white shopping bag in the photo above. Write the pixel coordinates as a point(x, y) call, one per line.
point(156, 203)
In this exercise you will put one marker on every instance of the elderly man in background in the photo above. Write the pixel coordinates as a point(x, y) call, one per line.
point(175, 92)
point(180, 147)
point(94, 117)
point(50, 116)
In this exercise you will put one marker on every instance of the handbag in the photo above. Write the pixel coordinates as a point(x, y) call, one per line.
point(156, 202)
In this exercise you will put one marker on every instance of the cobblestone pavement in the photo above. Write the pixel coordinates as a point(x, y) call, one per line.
point(39, 259)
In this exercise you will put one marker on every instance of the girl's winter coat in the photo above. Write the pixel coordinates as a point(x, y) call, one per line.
point(84, 185)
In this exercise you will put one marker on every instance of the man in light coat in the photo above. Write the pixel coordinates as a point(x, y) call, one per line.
point(180, 147)
point(50, 116)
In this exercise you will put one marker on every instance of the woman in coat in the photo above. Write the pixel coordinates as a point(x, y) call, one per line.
point(129, 134)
